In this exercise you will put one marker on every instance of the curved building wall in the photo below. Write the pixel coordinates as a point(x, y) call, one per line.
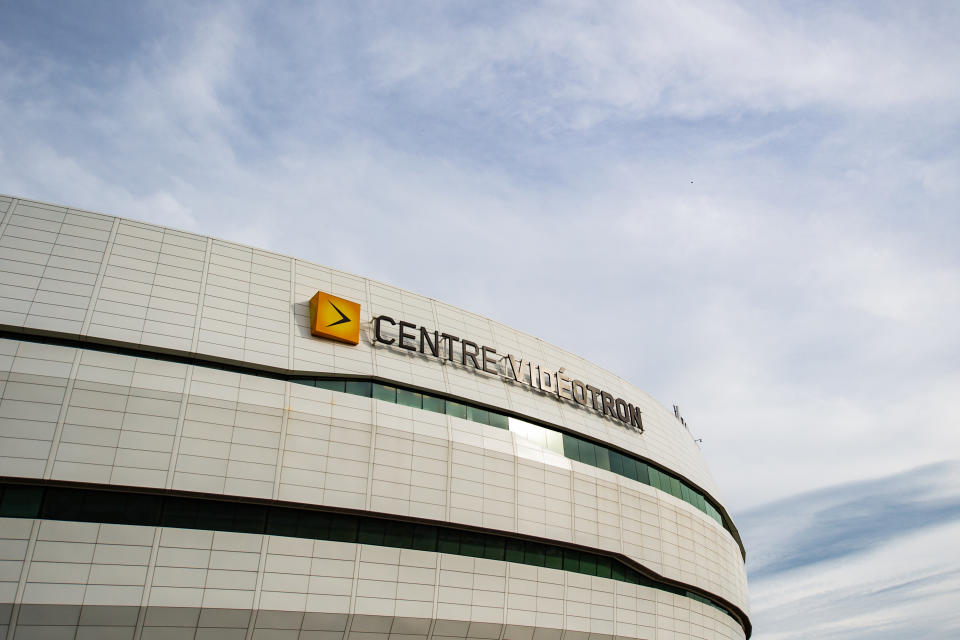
point(70, 413)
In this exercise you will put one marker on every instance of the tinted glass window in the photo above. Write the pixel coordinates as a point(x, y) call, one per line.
point(675, 487)
point(448, 541)
point(554, 558)
point(21, 502)
point(588, 453)
point(534, 554)
point(359, 388)
point(384, 392)
point(181, 512)
point(62, 503)
point(514, 551)
point(497, 420)
point(409, 398)
point(399, 534)
point(494, 548)
point(456, 409)
point(371, 531)
point(603, 457)
point(333, 385)
point(604, 567)
point(425, 537)
point(588, 564)
point(343, 529)
point(616, 463)
point(571, 447)
point(478, 415)
point(643, 472)
point(432, 403)
point(471, 544)
point(282, 522)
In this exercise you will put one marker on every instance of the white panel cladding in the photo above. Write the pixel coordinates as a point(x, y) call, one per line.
point(105, 580)
point(84, 273)
point(117, 419)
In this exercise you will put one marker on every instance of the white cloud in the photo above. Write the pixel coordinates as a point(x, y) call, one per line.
point(869, 560)
point(693, 61)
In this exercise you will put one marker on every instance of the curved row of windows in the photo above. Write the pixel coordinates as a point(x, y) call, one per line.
point(591, 453)
point(567, 445)
point(58, 502)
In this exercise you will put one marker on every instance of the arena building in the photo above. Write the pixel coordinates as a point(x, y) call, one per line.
point(200, 439)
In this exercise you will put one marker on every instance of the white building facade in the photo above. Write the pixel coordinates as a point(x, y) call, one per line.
point(181, 458)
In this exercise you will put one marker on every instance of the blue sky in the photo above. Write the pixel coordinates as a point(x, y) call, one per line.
point(760, 200)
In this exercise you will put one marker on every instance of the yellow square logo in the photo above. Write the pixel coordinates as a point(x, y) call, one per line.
point(334, 318)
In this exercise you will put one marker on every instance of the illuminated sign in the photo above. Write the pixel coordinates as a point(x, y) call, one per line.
point(334, 318)
point(409, 336)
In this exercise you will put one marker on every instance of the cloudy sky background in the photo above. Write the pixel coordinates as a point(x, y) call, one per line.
point(763, 199)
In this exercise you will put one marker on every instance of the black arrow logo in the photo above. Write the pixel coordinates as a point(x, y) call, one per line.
point(343, 317)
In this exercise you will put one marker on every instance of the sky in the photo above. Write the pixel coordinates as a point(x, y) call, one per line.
point(758, 201)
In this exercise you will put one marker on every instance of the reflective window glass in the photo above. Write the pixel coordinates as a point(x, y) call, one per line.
point(654, 477)
point(332, 385)
point(433, 403)
point(425, 537)
point(409, 398)
point(619, 572)
point(588, 564)
point(700, 502)
point(471, 544)
point(217, 516)
point(448, 541)
point(101, 506)
point(605, 566)
point(497, 420)
point(343, 528)
point(385, 392)
point(514, 551)
point(456, 409)
point(478, 415)
point(494, 548)
point(675, 487)
point(554, 558)
point(643, 472)
point(180, 512)
point(588, 453)
point(21, 502)
point(280, 522)
point(603, 457)
point(145, 510)
point(311, 525)
point(359, 388)
point(399, 534)
point(371, 531)
point(534, 553)
point(616, 463)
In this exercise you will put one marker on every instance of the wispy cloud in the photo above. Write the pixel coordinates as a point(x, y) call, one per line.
point(871, 559)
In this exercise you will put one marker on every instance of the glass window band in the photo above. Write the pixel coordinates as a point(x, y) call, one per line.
point(56, 502)
point(572, 447)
